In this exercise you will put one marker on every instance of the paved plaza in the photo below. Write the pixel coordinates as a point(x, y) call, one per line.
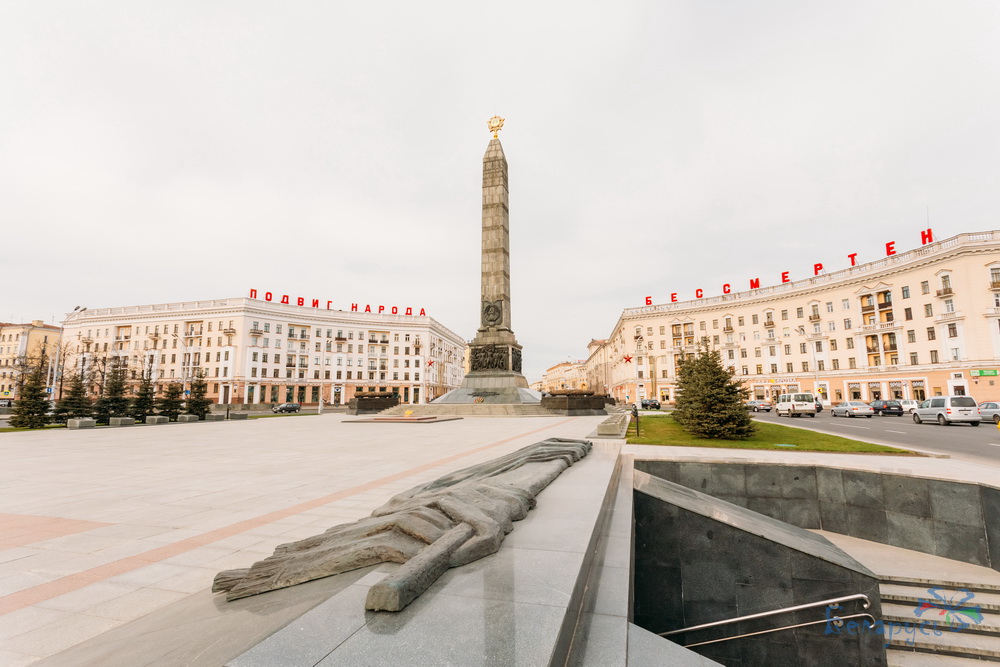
point(104, 528)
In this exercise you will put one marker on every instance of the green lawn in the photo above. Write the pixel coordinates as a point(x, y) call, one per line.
point(663, 430)
point(12, 429)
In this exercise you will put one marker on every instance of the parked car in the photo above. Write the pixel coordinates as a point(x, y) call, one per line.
point(819, 406)
point(990, 411)
point(6, 403)
point(759, 406)
point(947, 410)
point(792, 405)
point(909, 405)
point(883, 408)
point(287, 407)
point(650, 404)
point(852, 409)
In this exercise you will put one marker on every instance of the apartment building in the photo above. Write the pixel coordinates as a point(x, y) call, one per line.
point(913, 325)
point(255, 351)
point(21, 344)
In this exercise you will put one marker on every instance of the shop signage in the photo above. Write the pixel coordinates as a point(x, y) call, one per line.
point(355, 308)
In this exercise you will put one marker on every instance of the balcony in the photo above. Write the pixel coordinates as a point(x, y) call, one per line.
point(872, 349)
point(121, 338)
point(229, 331)
point(87, 339)
point(870, 308)
point(885, 305)
point(889, 347)
point(814, 318)
point(948, 317)
point(154, 336)
point(256, 332)
point(880, 326)
point(339, 338)
point(995, 284)
point(945, 291)
point(728, 329)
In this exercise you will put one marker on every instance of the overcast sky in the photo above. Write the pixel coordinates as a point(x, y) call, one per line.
point(157, 152)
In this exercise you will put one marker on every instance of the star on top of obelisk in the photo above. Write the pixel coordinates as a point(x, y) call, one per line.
point(495, 124)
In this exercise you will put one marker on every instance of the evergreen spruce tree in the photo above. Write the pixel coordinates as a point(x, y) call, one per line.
point(113, 401)
point(171, 403)
point(709, 401)
point(198, 403)
point(75, 403)
point(32, 404)
point(144, 401)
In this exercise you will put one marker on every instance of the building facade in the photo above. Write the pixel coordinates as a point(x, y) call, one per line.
point(22, 345)
point(913, 325)
point(253, 351)
point(565, 376)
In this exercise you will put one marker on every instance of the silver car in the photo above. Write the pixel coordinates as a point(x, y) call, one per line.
point(990, 410)
point(947, 410)
point(852, 409)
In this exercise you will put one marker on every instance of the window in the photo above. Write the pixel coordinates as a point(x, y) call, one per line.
point(819, 346)
point(833, 344)
point(760, 369)
point(946, 282)
point(820, 366)
point(931, 335)
point(852, 363)
point(784, 314)
point(911, 336)
point(802, 348)
point(913, 358)
point(847, 323)
point(739, 321)
point(789, 367)
point(798, 313)
point(850, 343)
point(955, 354)
point(949, 305)
point(836, 364)
point(754, 318)
point(928, 310)
point(829, 306)
point(906, 292)
point(952, 330)
point(925, 287)
point(934, 356)
point(831, 325)
point(908, 313)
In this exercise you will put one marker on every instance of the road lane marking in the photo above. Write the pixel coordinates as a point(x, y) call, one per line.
point(867, 428)
point(889, 431)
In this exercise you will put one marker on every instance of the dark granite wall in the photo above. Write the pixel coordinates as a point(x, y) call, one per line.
point(691, 569)
point(951, 519)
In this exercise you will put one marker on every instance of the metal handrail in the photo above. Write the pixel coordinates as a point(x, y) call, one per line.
point(836, 620)
point(773, 612)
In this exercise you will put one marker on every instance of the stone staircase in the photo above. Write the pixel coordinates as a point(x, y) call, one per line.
point(469, 410)
point(921, 594)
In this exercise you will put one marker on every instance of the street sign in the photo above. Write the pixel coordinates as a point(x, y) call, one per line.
point(984, 372)
point(48, 390)
point(336, 389)
point(187, 392)
point(6, 393)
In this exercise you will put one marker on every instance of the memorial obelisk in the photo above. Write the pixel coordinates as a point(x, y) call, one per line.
point(494, 354)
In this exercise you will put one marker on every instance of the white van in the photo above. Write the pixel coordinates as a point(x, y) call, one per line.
point(795, 405)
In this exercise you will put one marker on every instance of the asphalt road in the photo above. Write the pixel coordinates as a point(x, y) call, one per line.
point(960, 441)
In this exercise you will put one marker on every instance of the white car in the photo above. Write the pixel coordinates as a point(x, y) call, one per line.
point(909, 405)
point(990, 410)
point(795, 405)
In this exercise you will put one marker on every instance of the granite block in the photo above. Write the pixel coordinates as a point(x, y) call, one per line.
point(802, 513)
point(833, 517)
point(798, 482)
point(909, 495)
point(763, 481)
point(961, 542)
point(772, 507)
point(863, 489)
point(956, 503)
point(991, 512)
point(829, 485)
point(868, 524)
point(910, 532)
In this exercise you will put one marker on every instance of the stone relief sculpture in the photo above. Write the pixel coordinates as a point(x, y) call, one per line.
point(515, 360)
point(449, 522)
point(489, 357)
point(492, 313)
